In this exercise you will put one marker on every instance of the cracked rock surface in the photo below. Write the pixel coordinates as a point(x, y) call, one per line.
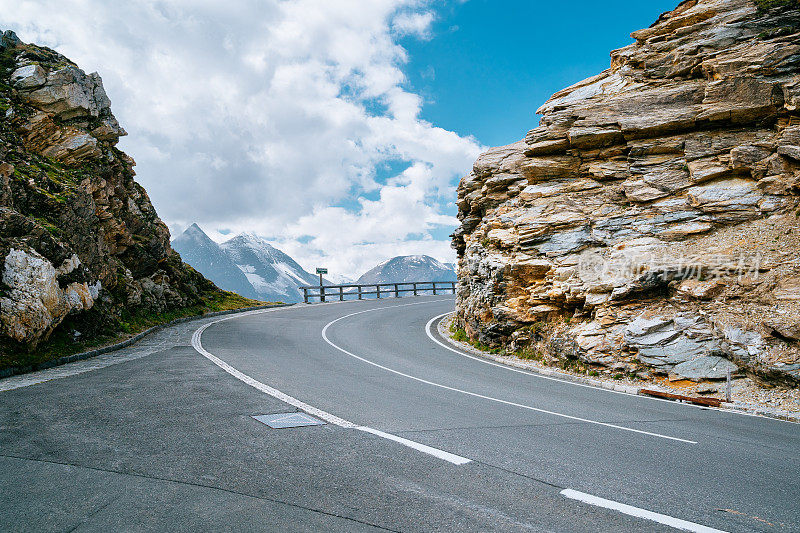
point(650, 222)
point(79, 237)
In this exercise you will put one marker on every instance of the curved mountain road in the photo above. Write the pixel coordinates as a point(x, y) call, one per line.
point(418, 437)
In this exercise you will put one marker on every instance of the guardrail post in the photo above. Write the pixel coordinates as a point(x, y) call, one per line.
point(415, 289)
point(434, 287)
point(359, 292)
point(341, 293)
point(396, 294)
point(322, 293)
point(378, 290)
point(305, 295)
point(453, 286)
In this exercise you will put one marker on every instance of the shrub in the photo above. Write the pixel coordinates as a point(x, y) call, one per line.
point(783, 5)
point(460, 335)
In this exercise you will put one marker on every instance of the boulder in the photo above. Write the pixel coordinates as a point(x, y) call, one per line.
point(700, 290)
point(788, 330)
point(35, 303)
point(69, 93)
point(706, 367)
point(28, 77)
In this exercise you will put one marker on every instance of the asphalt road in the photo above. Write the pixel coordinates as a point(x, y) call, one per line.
point(418, 438)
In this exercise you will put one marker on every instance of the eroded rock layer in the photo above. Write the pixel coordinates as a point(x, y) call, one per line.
point(650, 222)
point(78, 236)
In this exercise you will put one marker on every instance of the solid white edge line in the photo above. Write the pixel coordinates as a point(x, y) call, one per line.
point(475, 394)
point(630, 510)
point(535, 375)
point(266, 389)
point(319, 413)
point(511, 368)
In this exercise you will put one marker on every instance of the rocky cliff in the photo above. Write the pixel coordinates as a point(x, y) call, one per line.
point(649, 224)
point(79, 238)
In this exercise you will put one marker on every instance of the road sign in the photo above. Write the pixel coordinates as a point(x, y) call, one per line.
point(322, 271)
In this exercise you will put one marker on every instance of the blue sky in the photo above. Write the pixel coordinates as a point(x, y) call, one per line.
point(489, 64)
point(336, 128)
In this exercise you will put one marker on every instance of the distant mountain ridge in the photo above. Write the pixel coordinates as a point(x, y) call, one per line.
point(271, 272)
point(251, 267)
point(246, 264)
point(206, 256)
point(405, 268)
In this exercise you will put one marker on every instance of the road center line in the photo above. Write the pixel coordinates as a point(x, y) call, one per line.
point(630, 510)
point(475, 394)
point(319, 413)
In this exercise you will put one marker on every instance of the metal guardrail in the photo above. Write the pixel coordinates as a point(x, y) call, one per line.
point(389, 289)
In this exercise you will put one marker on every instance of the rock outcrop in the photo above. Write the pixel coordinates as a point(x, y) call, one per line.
point(650, 222)
point(78, 236)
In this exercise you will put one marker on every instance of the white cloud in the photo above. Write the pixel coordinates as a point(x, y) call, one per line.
point(410, 23)
point(263, 115)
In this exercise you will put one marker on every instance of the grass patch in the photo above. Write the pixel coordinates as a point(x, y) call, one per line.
point(137, 322)
point(573, 365)
point(776, 32)
point(764, 6)
point(52, 228)
point(460, 335)
point(529, 354)
point(62, 343)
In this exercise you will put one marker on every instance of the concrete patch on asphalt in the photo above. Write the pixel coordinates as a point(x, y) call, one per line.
point(328, 417)
point(289, 420)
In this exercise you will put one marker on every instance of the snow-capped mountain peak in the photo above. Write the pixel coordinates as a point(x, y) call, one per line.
point(246, 264)
point(205, 255)
point(409, 268)
point(272, 273)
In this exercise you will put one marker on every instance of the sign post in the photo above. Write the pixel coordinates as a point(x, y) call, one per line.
point(321, 271)
point(728, 386)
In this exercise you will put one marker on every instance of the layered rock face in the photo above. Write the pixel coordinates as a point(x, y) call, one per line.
point(78, 236)
point(650, 223)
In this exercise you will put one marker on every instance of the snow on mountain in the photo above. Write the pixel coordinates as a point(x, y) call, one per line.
point(273, 275)
point(336, 279)
point(246, 264)
point(205, 256)
point(409, 268)
point(250, 266)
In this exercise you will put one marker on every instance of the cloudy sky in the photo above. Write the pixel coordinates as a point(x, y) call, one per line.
point(337, 129)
